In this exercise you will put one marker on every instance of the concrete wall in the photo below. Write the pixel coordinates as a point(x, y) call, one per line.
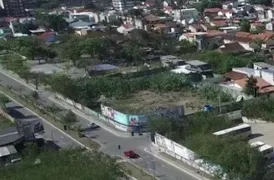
point(184, 154)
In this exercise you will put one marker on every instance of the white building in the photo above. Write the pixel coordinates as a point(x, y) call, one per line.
point(185, 14)
point(122, 5)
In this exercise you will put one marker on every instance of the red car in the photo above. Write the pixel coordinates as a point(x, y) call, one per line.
point(131, 154)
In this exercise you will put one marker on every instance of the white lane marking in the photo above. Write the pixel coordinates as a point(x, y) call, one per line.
point(70, 137)
point(21, 82)
point(4, 135)
point(174, 165)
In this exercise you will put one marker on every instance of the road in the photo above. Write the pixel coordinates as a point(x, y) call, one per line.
point(51, 134)
point(108, 140)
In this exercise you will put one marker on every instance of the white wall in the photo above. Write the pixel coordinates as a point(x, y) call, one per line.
point(268, 77)
point(173, 148)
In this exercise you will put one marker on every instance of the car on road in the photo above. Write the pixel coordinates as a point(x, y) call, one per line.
point(131, 154)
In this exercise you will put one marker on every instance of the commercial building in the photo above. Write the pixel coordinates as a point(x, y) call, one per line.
point(17, 8)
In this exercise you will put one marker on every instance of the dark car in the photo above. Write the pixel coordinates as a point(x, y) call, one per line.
point(131, 154)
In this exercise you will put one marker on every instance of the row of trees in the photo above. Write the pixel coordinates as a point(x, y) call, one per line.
point(86, 89)
point(234, 155)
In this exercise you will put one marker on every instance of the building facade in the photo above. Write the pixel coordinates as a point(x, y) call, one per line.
point(122, 5)
point(17, 8)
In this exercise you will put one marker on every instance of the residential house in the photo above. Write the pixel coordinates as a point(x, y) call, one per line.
point(80, 24)
point(49, 37)
point(211, 12)
point(245, 70)
point(227, 13)
point(219, 23)
point(200, 66)
point(87, 14)
point(185, 14)
point(233, 47)
point(171, 61)
point(203, 38)
point(195, 28)
point(269, 26)
point(233, 76)
point(262, 85)
point(256, 26)
point(125, 28)
point(264, 71)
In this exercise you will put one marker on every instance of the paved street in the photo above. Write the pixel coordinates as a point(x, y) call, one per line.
point(51, 133)
point(108, 140)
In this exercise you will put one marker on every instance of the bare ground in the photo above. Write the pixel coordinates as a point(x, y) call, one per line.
point(145, 101)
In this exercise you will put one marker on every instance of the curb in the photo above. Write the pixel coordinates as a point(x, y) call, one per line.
point(91, 119)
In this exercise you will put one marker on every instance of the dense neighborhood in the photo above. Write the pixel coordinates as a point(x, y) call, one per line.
point(129, 89)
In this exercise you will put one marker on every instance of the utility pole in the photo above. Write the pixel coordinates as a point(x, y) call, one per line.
point(220, 108)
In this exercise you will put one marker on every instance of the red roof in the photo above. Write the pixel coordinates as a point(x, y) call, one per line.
point(232, 76)
point(219, 22)
point(212, 10)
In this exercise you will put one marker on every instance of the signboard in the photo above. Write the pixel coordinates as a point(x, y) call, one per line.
point(114, 115)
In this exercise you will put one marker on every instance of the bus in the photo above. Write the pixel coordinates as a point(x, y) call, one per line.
point(257, 144)
point(267, 151)
point(242, 129)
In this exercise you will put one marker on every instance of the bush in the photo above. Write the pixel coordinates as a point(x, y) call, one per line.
point(214, 93)
point(222, 63)
point(261, 107)
point(233, 154)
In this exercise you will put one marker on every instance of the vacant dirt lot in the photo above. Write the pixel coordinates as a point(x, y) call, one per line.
point(147, 101)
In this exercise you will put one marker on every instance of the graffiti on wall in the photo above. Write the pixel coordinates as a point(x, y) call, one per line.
point(114, 115)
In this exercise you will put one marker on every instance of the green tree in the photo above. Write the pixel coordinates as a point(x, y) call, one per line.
point(256, 44)
point(69, 119)
point(186, 47)
point(72, 50)
point(53, 21)
point(3, 101)
point(251, 86)
point(245, 25)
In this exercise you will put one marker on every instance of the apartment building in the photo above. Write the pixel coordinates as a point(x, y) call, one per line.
point(122, 5)
point(17, 8)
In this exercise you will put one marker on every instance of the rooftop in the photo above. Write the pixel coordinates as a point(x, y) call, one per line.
point(265, 147)
point(9, 135)
point(196, 63)
point(102, 67)
point(263, 65)
point(7, 150)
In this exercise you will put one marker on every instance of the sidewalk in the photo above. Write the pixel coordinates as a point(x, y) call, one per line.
point(153, 150)
point(104, 125)
point(91, 118)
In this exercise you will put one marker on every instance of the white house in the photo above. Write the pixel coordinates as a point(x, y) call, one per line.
point(185, 14)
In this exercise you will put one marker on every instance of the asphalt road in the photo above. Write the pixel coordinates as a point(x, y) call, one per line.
point(108, 141)
point(21, 113)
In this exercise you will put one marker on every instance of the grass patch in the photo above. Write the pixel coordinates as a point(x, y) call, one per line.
point(5, 123)
point(136, 172)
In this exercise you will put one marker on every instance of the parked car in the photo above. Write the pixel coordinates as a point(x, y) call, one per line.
point(131, 154)
point(93, 126)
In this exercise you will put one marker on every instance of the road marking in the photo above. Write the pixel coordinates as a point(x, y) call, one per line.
point(4, 135)
point(70, 137)
point(21, 82)
point(174, 165)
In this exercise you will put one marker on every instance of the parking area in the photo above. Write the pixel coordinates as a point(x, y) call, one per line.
point(263, 132)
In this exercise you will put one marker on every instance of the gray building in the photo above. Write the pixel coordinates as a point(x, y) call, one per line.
point(17, 8)
point(122, 5)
